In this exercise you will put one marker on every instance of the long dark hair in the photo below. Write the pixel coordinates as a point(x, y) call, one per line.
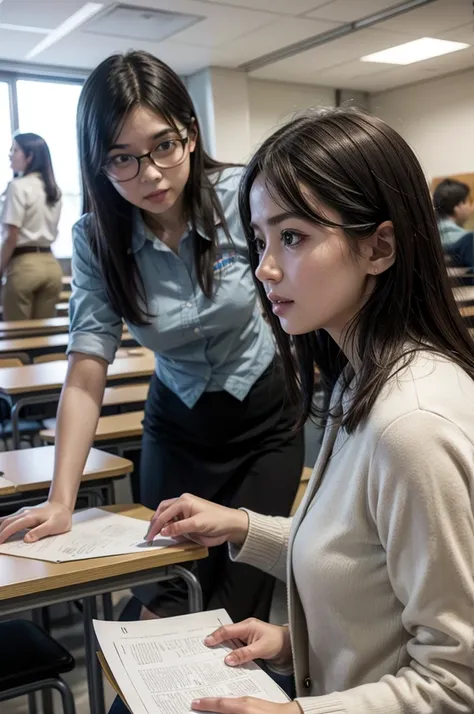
point(36, 149)
point(117, 85)
point(360, 167)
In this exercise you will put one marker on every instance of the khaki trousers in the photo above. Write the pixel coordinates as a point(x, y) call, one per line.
point(32, 286)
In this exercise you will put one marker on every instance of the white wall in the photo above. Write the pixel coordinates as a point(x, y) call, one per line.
point(238, 112)
point(273, 103)
point(437, 119)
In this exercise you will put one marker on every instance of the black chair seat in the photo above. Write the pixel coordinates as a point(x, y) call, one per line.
point(28, 654)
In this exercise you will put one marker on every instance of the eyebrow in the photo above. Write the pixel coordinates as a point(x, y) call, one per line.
point(158, 135)
point(277, 219)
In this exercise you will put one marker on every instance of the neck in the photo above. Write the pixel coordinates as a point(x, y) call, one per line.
point(169, 226)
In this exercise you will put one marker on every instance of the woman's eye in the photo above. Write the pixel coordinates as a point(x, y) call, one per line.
point(291, 239)
point(259, 245)
point(121, 159)
point(168, 145)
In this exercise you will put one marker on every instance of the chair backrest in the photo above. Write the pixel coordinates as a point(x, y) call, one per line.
point(10, 362)
point(50, 357)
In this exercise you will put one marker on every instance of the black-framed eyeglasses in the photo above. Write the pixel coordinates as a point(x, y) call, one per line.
point(166, 155)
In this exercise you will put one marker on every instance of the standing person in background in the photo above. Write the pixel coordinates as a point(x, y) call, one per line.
point(161, 245)
point(30, 217)
point(453, 206)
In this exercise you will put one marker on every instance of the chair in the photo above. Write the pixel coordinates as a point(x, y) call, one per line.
point(31, 661)
point(10, 362)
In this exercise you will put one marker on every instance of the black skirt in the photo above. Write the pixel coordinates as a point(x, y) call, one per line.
point(235, 453)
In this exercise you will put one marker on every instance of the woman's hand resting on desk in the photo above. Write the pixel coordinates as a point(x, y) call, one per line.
point(260, 641)
point(198, 520)
point(47, 519)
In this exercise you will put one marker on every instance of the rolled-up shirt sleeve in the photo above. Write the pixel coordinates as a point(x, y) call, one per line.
point(95, 328)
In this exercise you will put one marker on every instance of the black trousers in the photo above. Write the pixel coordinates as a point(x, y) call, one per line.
point(235, 453)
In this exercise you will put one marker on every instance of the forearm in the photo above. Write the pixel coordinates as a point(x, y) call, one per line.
point(8, 246)
point(78, 414)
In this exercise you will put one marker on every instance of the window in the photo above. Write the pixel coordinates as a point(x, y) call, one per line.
point(5, 136)
point(49, 109)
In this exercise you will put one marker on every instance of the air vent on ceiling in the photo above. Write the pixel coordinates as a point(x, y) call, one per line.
point(139, 23)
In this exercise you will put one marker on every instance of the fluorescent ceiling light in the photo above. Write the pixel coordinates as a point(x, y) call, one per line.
point(72, 22)
point(415, 51)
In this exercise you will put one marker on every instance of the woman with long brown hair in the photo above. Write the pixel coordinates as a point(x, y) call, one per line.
point(379, 558)
point(30, 218)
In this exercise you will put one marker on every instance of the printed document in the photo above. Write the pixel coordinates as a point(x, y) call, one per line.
point(95, 534)
point(161, 666)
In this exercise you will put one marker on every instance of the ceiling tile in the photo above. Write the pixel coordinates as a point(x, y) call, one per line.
point(303, 66)
point(38, 13)
point(344, 11)
point(77, 50)
point(279, 33)
point(14, 45)
point(430, 20)
point(282, 7)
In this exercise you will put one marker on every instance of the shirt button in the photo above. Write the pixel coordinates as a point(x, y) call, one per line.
point(197, 330)
point(307, 683)
point(189, 304)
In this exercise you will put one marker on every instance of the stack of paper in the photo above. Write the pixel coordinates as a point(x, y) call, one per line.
point(95, 534)
point(161, 666)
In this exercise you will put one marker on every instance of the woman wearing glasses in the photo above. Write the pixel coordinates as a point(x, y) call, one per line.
point(161, 247)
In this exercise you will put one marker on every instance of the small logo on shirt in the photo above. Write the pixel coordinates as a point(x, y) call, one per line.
point(224, 259)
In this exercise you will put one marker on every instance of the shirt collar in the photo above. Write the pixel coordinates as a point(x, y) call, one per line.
point(141, 231)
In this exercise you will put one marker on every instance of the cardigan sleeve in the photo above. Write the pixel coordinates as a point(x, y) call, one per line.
point(420, 497)
point(266, 545)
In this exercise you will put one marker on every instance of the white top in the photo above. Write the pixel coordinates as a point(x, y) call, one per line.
point(379, 558)
point(25, 207)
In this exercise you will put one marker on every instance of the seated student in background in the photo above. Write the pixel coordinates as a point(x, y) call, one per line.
point(453, 208)
point(379, 558)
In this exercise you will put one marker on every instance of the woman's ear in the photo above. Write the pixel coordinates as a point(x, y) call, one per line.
point(383, 246)
point(192, 134)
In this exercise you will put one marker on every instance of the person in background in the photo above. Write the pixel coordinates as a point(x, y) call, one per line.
point(161, 245)
point(30, 217)
point(379, 558)
point(453, 206)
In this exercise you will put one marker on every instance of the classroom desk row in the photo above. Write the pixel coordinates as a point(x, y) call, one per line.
point(41, 383)
point(29, 584)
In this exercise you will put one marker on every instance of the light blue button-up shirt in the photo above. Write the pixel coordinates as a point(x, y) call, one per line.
point(200, 344)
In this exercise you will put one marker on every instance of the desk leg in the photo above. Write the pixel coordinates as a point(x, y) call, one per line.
point(194, 587)
point(94, 671)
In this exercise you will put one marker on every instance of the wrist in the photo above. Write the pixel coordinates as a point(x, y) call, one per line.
point(240, 527)
point(284, 659)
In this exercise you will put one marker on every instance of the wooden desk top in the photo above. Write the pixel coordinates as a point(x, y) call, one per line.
point(464, 293)
point(125, 394)
point(27, 344)
point(45, 327)
point(110, 428)
point(32, 469)
point(50, 376)
point(20, 576)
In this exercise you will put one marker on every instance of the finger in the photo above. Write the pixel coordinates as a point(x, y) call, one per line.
point(242, 655)
point(185, 527)
point(175, 510)
point(16, 526)
point(45, 529)
point(224, 705)
point(163, 506)
point(6, 520)
point(228, 632)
